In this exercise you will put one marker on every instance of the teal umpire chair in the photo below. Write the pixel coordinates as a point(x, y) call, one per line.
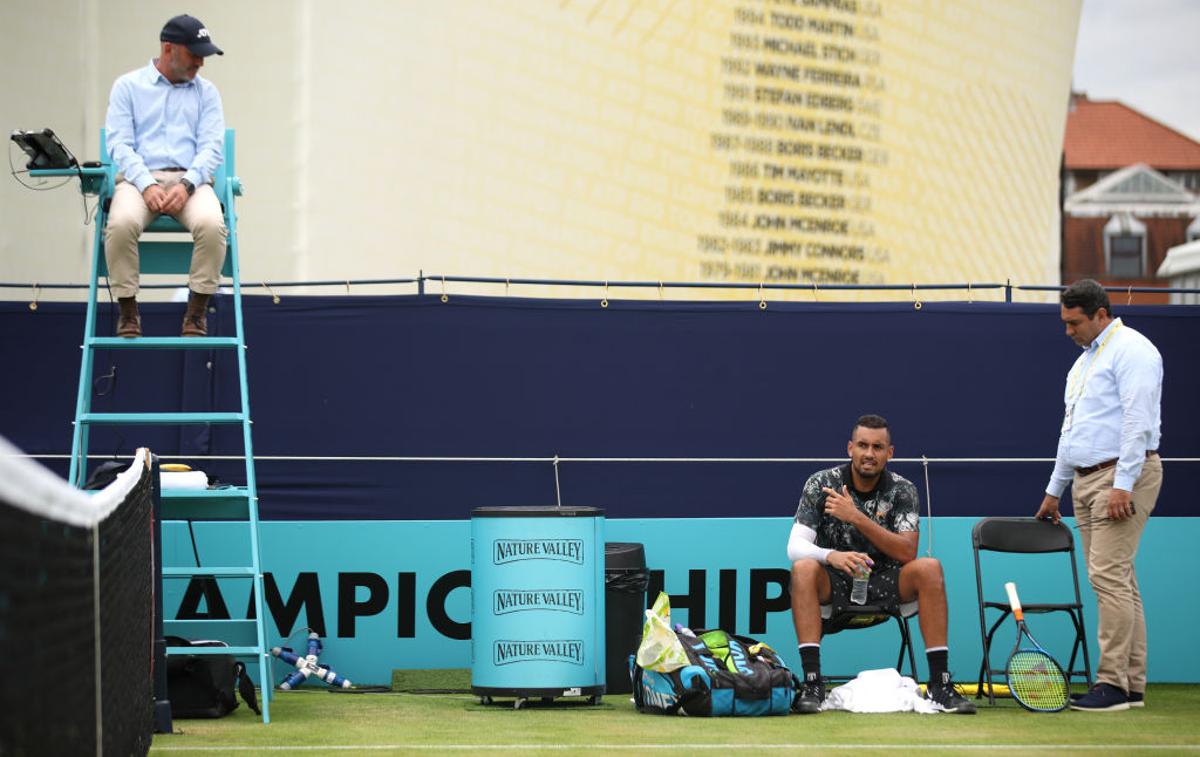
point(245, 639)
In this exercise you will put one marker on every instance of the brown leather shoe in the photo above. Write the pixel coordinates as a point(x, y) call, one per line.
point(129, 323)
point(195, 322)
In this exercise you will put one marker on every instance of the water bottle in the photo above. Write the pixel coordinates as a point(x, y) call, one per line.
point(294, 679)
point(314, 649)
point(331, 677)
point(858, 592)
point(291, 658)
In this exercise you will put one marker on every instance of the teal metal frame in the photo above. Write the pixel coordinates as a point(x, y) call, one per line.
point(246, 638)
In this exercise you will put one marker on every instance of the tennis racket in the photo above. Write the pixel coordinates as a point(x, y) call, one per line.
point(1034, 677)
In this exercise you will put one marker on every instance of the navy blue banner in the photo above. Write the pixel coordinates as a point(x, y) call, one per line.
point(510, 377)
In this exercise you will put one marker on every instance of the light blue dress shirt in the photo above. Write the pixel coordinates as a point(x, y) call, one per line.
point(153, 124)
point(1113, 407)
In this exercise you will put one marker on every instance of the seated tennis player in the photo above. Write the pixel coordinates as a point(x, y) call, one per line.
point(856, 518)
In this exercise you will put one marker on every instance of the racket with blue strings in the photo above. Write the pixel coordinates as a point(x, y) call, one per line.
point(1035, 678)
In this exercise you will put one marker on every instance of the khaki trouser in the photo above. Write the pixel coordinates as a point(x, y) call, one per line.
point(128, 216)
point(1109, 547)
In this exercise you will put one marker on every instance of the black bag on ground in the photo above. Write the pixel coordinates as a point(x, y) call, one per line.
point(201, 686)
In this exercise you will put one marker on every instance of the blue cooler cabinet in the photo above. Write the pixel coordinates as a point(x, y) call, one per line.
point(537, 603)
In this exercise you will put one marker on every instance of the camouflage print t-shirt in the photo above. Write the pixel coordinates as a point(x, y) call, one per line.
point(893, 505)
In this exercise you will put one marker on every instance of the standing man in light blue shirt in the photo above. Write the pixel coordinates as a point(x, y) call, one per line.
point(1107, 451)
point(165, 130)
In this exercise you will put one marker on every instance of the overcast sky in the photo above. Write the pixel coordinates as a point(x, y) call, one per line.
point(1145, 53)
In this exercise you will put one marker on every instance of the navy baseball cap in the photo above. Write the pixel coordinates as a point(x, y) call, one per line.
point(190, 32)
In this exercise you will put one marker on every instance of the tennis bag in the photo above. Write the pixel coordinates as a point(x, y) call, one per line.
point(726, 675)
point(201, 686)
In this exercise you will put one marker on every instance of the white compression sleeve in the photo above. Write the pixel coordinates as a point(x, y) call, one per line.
point(802, 544)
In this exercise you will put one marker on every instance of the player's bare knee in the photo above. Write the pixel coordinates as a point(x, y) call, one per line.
point(806, 567)
point(926, 573)
point(805, 574)
point(929, 565)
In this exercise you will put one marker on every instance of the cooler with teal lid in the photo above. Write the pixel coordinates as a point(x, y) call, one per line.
point(537, 602)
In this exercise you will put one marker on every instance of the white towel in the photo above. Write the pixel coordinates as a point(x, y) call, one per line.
point(879, 691)
point(192, 479)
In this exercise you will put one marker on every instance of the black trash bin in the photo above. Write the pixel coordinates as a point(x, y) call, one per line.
point(625, 581)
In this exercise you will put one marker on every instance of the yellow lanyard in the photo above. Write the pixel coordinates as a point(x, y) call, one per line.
point(1074, 393)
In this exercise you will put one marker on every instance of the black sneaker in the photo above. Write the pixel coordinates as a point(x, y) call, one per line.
point(1136, 698)
point(1103, 697)
point(812, 693)
point(944, 694)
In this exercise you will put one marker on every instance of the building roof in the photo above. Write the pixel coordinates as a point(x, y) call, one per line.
point(1181, 260)
point(1136, 189)
point(1106, 134)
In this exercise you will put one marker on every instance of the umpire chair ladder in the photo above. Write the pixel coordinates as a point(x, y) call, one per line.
point(246, 638)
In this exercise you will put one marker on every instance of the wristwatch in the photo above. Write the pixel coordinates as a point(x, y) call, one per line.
point(189, 186)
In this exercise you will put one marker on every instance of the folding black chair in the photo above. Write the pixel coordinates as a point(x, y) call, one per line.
point(1027, 536)
point(866, 616)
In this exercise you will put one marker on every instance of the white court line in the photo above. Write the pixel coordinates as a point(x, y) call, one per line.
point(689, 747)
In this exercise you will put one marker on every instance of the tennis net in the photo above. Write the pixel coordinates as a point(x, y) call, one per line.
point(76, 611)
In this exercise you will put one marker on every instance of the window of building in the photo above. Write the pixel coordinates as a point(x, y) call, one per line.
point(1125, 246)
point(1125, 256)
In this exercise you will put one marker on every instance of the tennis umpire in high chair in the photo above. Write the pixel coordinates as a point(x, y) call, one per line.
point(165, 132)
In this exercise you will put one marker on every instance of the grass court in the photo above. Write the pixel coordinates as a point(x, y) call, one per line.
point(315, 721)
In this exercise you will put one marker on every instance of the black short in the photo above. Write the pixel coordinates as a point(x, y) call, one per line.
point(882, 589)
